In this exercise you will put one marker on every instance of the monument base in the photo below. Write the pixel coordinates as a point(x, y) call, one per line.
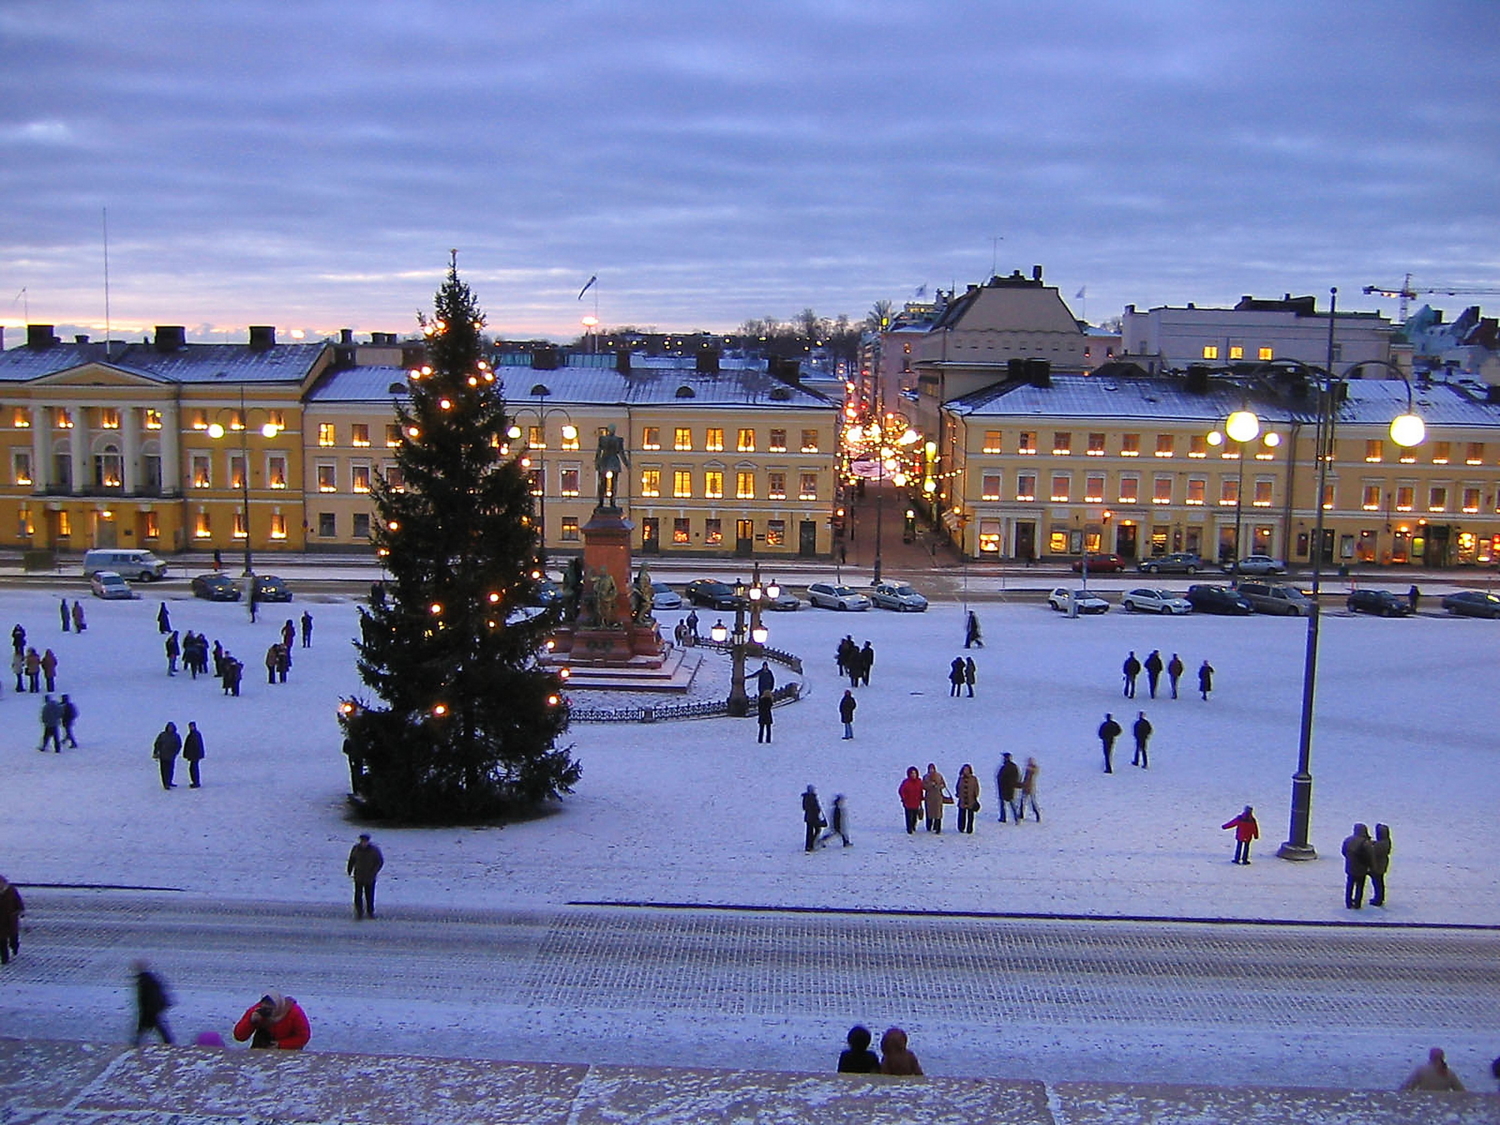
point(638, 645)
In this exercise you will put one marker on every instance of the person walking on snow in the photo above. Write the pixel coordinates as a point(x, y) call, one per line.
point(763, 703)
point(192, 754)
point(866, 662)
point(165, 750)
point(1380, 862)
point(163, 620)
point(12, 906)
point(971, 631)
point(1007, 781)
point(1028, 792)
point(1205, 679)
point(79, 625)
point(365, 862)
point(956, 677)
point(1245, 830)
point(67, 617)
point(151, 1003)
point(765, 679)
point(18, 666)
point(1153, 666)
point(48, 665)
point(910, 792)
point(69, 711)
point(1109, 730)
point(273, 660)
point(812, 818)
point(970, 673)
point(33, 671)
point(1131, 668)
point(966, 795)
point(307, 626)
point(846, 712)
point(1174, 672)
point(1141, 728)
point(51, 720)
point(174, 650)
point(1356, 852)
point(838, 823)
point(935, 795)
point(18, 638)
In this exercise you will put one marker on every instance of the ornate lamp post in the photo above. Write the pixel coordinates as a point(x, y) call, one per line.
point(241, 421)
point(740, 641)
point(1241, 427)
point(569, 434)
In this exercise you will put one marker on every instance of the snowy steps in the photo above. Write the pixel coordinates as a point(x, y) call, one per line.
point(47, 1081)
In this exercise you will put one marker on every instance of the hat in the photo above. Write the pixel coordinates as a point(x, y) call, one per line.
point(364, 835)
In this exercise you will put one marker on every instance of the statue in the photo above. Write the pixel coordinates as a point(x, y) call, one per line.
point(610, 459)
point(641, 598)
point(606, 594)
point(573, 589)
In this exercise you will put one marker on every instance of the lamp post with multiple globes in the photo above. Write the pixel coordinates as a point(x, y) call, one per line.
point(751, 597)
point(514, 433)
point(1241, 427)
point(240, 421)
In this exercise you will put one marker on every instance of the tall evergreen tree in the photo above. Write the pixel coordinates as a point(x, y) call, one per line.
point(450, 644)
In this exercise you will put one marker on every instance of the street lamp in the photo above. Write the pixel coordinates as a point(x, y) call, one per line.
point(740, 641)
point(890, 435)
point(240, 422)
point(569, 434)
point(1241, 427)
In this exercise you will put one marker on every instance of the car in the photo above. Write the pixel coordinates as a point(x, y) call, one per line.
point(1218, 599)
point(1100, 564)
point(712, 593)
point(831, 596)
point(215, 587)
point(784, 602)
point(1144, 599)
point(110, 586)
point(269, 588)
point(1382, 603)
point(1179, 562)
point(899, 596)
point(546, 593)
point(664, 597)
point(1062, 598)
point(1276, 597)
point(1473, 603)
point(1255, 564)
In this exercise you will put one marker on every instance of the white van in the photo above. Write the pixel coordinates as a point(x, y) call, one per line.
point(128, 562)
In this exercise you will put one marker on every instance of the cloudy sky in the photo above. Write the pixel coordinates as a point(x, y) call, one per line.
point(309, 165)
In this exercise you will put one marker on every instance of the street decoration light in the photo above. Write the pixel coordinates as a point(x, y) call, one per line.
point(747, 598)
point(887, 439)
point(241, 422)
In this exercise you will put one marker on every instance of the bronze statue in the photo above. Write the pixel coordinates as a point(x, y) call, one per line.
point(610, 459)
point(606, 594)
point(642, 597)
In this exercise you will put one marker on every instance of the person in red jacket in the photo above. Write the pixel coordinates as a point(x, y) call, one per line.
point(911, 792)
point(274, 1021)
point(1245, 830)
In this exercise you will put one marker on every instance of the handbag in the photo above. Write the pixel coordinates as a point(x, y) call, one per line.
point(947, 800)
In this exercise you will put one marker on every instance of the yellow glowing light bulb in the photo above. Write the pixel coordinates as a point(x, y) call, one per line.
point(445, 403)
point(413, 432)
point(494, 597)
point(435, 608)
point(553, 701)
point(440, 710)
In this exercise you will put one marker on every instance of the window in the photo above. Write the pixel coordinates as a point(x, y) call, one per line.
point(809, 441)
point(1093, 489)
point(1229, 492)
point(682, 438)
point(570, 529)
point(1026, 486)
point(198, 420)
point(536, 437)
point(1027, 445)
point(153, 419)
point(359, 434)
point(1062, 445)
point(682, 482)
point(535, 482)
point(199, 470)
point(395, 476)
point(569, 477)
point(327, 478)
point(776, 485)
point(1210, 351)
point(1130, 445)
point(278, 525)
point(1057, 541)
point(989, 488)
point(713, 484)
point(1130, 490)
point(1198, 446)
point(992, 441)
point(713, 532)
point(1442, 452)
point(392, 435)
point(1407, 456)
point(1437, 498)
point(807, 486)
point(202, 529)
point(109, 418)
point(328, 525)
point(744, 485)
point(1161, 490)
point(1471, 500)
point(1328, 496)
point(681, 531)
point(237, 525)
point(1405, 496)
point(361, 525)
point(325, 434)
point(1374, 451)
point(1474, 453)
point(714, 440)
point(1197, 491)
point(650, 437)
point(776, 533)
point(1266, 353)
point(746, 441)
point(650, 482)
point(1062, 487)
point(21, 420)
point(20, 466)
point(359, 477)
point(569, 442)
point(1096, 445)
point(236, 470)
point(150, 525)
point(1262, 495)
point(989, 537)
point(1236, 351)
point(1370, 498)
point(777, 443)
point(1165, 446)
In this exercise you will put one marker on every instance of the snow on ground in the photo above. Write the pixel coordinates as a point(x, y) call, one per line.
point(698, 812)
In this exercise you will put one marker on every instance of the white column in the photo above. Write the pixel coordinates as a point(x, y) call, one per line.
point(41, 450)
point(130, 448)
point(78, 448)
point(171, 468)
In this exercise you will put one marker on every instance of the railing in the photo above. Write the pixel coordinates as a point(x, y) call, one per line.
point(791, 660)
point(703, 709)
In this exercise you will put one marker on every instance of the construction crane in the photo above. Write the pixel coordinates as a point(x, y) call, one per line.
point(1406, 293)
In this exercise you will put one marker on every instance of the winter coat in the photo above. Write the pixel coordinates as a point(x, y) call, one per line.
point(967, 791)
point(1356, 851)
point(273, 657)
point(812, 811)
point(846, 708)
point(287, 1027)
point(151, 997)
point(173, 647)
point(933, 786)
point(365, 862)
point(910, 792)
point(956, 671)
point(1028, 782)
point(1175, 668)
point(192, 746)
point(1131, 667)
point(1109, 730)
point(763, 709)
point(896, 1059)
point(1380, 850)
point(1007, 778)
point(167, 746)
point(969, 672)
point(69, 711)
point(49, 663)
point(765, 680)
point(33, 662)
point(1434, 1077)
point(11, 909)
point(1141, 728)
point(52, 713)
point(1153, 663)
point(1206, 677)
point(1245, 828)
point(858, 1062)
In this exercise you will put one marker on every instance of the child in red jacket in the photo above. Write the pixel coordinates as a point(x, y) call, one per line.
point(1245, 830)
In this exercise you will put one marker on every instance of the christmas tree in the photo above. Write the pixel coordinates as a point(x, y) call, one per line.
point(470, 723)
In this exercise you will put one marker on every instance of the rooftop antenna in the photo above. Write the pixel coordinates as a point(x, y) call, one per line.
point(995, 253)
point(107, 341)
point(25, 303)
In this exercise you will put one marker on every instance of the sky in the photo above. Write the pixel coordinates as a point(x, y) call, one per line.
point(711, 163)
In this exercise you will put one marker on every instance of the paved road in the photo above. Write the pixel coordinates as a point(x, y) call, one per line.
point(1310, 1006)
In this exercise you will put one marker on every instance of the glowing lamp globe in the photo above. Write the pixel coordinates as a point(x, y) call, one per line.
point(1242, 425)
point(1407, 430)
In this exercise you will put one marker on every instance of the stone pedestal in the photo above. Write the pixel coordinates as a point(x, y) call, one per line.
point(608, 634)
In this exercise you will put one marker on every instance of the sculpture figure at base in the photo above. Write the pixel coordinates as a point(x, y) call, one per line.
point(606, 595)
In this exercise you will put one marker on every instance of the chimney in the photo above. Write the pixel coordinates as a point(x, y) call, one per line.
point(1036, 273)
point(346, 336)
point(1015, 369)
point(1039, 373)
point(39, 337)
point(1197, 379)
point(708, 361)
point(544, 358)
point(262, 337)
point(622, 361)
point(170, 338)
point(80, 339)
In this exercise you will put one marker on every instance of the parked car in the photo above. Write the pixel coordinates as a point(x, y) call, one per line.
point(1473, 603)
point(546, 592)
point(712, 593)
point(899, 596)
point(1276, 597)
point(1088, 602)
point(1179, 562)
point(269, 588)
point(1255, 564)
point(1382, 603)
point(133, 562)
point(664, 597)
point(830, 596)
point(785, 601)
point(215, 587)
point(1217, 599)
point(1100, 564)
point(109, 585)
point(1146, 600)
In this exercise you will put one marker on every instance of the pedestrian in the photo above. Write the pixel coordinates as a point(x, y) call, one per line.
point(51, 721)
point(1380, 862)
point(692, 624)
point(151, 1003)
point(283, 663)
point(192, 754)
point(48, 665)
point(218, 655)
point(365, 862)
point(1434, 1075)
point(838, 822)
point(812, 818)
point(165, 750)
point(910, 792)
point(1153, 666)
point(11, 908)
point(971, 631)
point(934, 796)
point(844, 657)
point(254, 600)
point(67, 617)
point(274, 1021)
point(895, 1057)
point(273, 658)
point(1007, 781)
point(763, 720)
point(192, 652)
point(970, 672)
point(18, 637)
point(163, 620)
point(1028, 792)
point(174, 650)
point(1109, 730)
point(1141, 728)
point(1131, 668)
point(1413, 596)
point(234, 672)
point(33, 671)
point(1356, 852)
point(288, 632)
point(1174, 672)
point(69, 716)
point(218, 560)
point(1205, 679)
point(307, 624)
point(765, 679)
point(79, 624)
point(1245, 830)
point(857, 1058)
point(956, 677)
point(846, 712)
point(966, 795)
point(18, 666)
point(866, 662)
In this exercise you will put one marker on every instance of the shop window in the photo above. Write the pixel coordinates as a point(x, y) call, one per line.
point(681, 531)
point(1057, 541)
point(776, 533)
point(713, 532)
point(989, 537)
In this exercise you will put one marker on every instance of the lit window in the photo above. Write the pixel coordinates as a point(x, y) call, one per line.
point(278, 525)
point(682, 438)
point(809, 441)
point(1471, 500)
point(1474, 453)
point(1229, 492)
point(777, 442)
point(1210, 351)
point(1130, 445)
point(1405, 497)
point(536, 437)
point(327, 481)
point(534, 481)
point(325, 433)
point(153, 419)
point(1062, 445)
point(199, 420)
point(238, 525)
point(1442, 452)
point(1027, 444)
point(569, 479)
point(1370, 498)
point(25, 528)
point(236, 471)
point(359, 434)
point(359, 478)
point(989, 488)
point(1197, 446)
point(992, 441)
point(746, 441)
point(64, 523)
point(1262, 495)
point(20, 466)
point(199, 472)
point(744, 485)
point(150, 525)
point(989, 537)
point(570, 529)
point(1026, 486)
point(201, 527)
point(1328, 497)
point(62, 419)
point(276, 470)
point(713, 484)
point(109, 418)
point(775, 485)
point(713, 532)
point(1165, 446)
point(650, 437)
point(1096, 445)
point(682, 482)
point(1266, 354)
point(650, 482)
point(569, 442)
point(1197, 491)
point(1374, 451)
point(776, 533)
point(1093, 489)
point(808, 486)
point(20, 419)
point(1062, 487)
point(395, 477)
point(1162, 490)
point(1236, 351)
point(392, 435)
point(714, 440)
point(276, 418)
point(1437, 499)
point(681, 531)
point(1130, 490)
point(1057, 541)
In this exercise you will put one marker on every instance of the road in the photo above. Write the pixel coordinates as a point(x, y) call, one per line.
point(1175, 1002)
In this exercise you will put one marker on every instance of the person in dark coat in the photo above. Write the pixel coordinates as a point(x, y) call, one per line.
point(33, 671)
point(1153, 666)
point(1380, 863)
point(846, 712)
point(970, 673)
point(1141, 728)
point(18, 666)
point(1357, 860)
point(1413, 596)
point(838, 822)
point(174, 650)
point(812, 817)
point(896, 1057)
point(165, 750)
point(151, 1003)
point(79, 624)
point(307, 626)
point(966, 798)
point(51, 721)
point(273, 660)
point(48, 663)
point(763, 704)
point(1245, 831)
point(234, 673)
point(866, 662)
point(1131, 668)
point(1109, 730)
point(365, 862)
point(691, 621)
point(163, 620)
point(218, 654)
point(69, 711)
point(288, 632)
point(971, 631)
point(1174, 672)
point(18, 638)
point(956, 677)
point(1205, 679)
point(765, 679)
point(12, 906)
point(858, 1058)
point(192, 754)
point(283, 663)
point(843, 657)
point(1008, 782)
point(67, 618)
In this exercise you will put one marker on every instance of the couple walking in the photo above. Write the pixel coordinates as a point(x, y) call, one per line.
point(1017, 789)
